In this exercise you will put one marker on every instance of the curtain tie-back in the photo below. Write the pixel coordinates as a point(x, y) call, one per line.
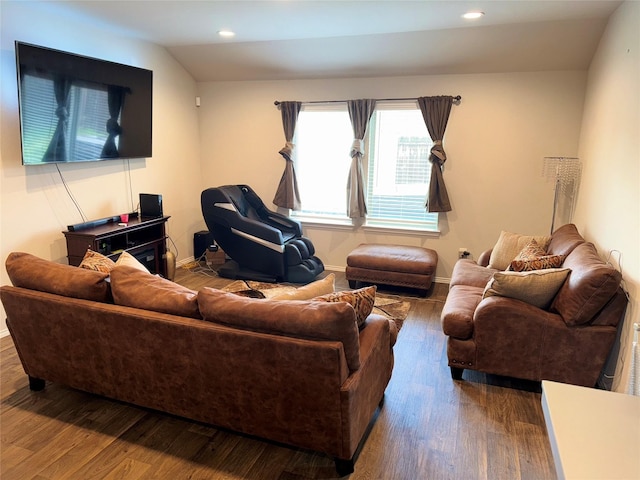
point(287, 150)
point(62, 112)
point(113, 127)
point(438, 152)
point(357, 147)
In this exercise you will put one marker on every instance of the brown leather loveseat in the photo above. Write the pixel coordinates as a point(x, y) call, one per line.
point(296, 372)
point(566, 338)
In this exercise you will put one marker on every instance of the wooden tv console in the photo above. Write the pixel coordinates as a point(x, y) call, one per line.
point(144, 238)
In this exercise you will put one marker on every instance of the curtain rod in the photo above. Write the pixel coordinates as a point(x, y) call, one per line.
point(456, 99)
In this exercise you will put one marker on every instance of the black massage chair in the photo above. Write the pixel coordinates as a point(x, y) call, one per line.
point(263, 245)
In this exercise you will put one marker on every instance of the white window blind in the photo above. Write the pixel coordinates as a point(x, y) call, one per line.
point(398, 167)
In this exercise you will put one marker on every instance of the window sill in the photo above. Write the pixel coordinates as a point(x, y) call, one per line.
point(346, 224)
point(403, 230)
point(325, 223)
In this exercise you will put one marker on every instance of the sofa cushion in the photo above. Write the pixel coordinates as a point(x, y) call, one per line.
point(96, 261)
point(294, 318)
point(590, 286)
point(564, 240)
point(136, 288)
point(362, 301)
point(310, 290)
point(28, 271)
point(509, 245)
point(536, 287)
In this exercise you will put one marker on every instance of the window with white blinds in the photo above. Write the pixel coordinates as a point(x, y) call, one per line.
point(396, 165)
point(398, 168)
point(85, 132)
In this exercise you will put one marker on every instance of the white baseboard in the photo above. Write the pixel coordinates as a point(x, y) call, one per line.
point(185, 261)
point(4, 332)
point(334, 268)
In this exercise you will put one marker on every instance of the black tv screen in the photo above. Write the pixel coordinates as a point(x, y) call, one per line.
point(77, 109)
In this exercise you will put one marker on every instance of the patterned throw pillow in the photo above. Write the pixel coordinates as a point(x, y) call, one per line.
point(96, 261)
point(531, 251)
point(534, 257)
point(539, 263)
point(361, 300)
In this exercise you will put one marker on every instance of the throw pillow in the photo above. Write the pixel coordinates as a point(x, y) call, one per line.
point(536, 287)
point(306, 292)
point(362, 301)
point(534, 257)
point(530, 251)
point(126, 259)
point(96, 261)
point(539, 263)
point(509, 245)
point(305, 319)
point(133, 287)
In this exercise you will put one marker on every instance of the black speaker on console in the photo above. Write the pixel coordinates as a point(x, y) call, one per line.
point(150, 205)
point(201, 241)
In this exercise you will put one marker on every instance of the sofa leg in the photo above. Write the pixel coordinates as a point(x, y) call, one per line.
point(456, 373)
point(36, 384)
point(344, 467)
point(353, 284)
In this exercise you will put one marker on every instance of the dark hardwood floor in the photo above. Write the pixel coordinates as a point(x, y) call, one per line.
point(430, 427)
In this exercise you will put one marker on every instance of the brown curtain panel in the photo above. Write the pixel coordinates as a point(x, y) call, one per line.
point(435, 111)
point(287, 194)
point(360, 112)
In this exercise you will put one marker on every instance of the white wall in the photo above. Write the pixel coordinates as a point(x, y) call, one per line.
point(35, 207)
point(496, 140)
point(608, 210)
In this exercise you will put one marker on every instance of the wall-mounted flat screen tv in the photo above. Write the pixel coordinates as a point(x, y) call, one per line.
point(77, 109)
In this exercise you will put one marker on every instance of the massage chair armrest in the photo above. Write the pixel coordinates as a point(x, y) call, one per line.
point(258, 229)
point(283, 223)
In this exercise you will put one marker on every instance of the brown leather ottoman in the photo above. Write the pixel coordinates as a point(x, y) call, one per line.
point(398, 265)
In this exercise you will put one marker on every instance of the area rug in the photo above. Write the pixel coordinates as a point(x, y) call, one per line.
point(388, 306)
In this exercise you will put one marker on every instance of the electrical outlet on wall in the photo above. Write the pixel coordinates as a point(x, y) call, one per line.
point(463, 252)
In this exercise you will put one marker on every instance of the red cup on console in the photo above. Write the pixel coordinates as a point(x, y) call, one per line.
point(124, 218)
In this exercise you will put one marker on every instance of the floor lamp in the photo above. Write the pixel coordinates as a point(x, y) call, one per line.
point(565, 173)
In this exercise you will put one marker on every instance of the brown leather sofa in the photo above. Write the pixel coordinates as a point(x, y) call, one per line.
point(296, 372)
point(569, 341)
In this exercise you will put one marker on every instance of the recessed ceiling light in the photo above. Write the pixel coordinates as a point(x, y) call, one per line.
point(226, 33)
point(472, 15)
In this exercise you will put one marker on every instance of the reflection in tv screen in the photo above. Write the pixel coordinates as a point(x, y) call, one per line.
point(77, 109)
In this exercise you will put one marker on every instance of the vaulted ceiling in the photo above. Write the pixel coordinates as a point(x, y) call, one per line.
point(292, 39)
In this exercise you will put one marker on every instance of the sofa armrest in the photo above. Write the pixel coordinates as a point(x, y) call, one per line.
point(510, 336)
point(493, 311)
point(483, 259)
point(362, 392)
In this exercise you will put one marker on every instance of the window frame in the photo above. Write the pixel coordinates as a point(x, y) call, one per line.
point(338, 222)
